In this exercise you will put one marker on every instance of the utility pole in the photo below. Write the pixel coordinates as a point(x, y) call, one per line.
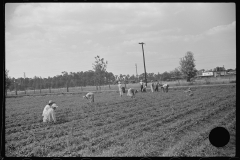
point(144, 63)
point(136, 71)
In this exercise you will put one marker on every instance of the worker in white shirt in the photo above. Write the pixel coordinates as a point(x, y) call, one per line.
point(48, 106)
point(152, 86)
point(164, 87)
point(89, 96)
point(132, 92)
point(120, 88)
point(49, 112)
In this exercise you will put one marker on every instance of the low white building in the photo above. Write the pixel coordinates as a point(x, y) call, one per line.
point(207, 74)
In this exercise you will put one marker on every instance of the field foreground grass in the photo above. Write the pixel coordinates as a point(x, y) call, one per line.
point(152, 124)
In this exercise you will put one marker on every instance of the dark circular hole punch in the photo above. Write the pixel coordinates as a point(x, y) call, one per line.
point(219, 137)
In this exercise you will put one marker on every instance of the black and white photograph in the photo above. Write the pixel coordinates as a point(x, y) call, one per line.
point(120, 79)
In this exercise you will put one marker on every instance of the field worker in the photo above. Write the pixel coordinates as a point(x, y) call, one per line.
point(152, 86)
point(123, 89)
point(156, 86)
point(165, 87)
point(141, 85)
point(49, 113)
point(132, 92)
point(145, 88)
point(47, 106)
point(120, 88)
point(189, 91)
point(89, 96)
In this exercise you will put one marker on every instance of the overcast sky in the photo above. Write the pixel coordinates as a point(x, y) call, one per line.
point(44, 39)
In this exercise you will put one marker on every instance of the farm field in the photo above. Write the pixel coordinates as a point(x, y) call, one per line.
point(152, 124)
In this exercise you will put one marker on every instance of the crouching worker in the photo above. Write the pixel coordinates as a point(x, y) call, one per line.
point(165, 87)
point(131, 92)
point(189, 92)
point(144, 88)
point(89, 96)
point(49, 112)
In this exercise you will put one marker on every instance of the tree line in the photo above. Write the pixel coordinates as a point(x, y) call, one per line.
point(98, 77)
point(60, 81)
point(81, 79)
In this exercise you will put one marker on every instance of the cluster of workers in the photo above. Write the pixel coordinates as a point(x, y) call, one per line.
point(49, 109)
point(143, 88)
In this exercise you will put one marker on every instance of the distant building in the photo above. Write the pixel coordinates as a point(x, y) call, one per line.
point(216, 72)
point(210, 73)
point(219, 73)
point(231, 72)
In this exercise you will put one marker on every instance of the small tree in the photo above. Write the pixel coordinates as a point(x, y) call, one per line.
point(99, 68)
point(187, 66)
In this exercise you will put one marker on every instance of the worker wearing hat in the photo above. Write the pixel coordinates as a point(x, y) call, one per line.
point(131, 92)
point(49, 112)
point(89, 96)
